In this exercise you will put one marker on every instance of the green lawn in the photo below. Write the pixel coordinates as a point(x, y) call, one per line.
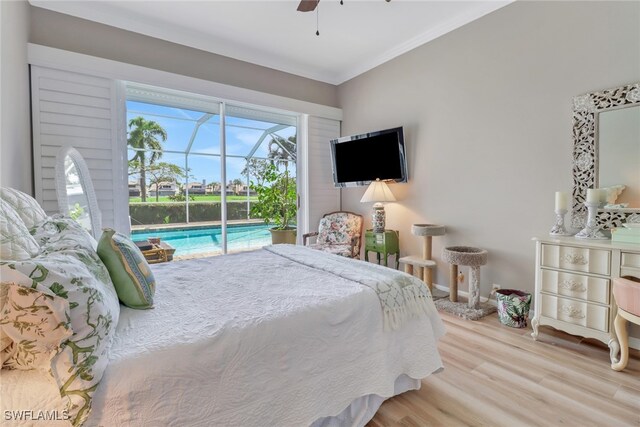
point(197, 198)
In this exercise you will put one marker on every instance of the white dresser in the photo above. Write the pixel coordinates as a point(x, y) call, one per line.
point(574, 285)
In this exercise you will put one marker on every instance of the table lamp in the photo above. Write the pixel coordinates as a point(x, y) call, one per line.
point(378, 192)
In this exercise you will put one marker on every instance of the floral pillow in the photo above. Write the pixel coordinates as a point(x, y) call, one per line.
point(58, 233)
point(5, 341)
point(69, 269)
point(35, 323)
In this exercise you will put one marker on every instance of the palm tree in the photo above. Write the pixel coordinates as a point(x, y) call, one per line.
point(143, 135)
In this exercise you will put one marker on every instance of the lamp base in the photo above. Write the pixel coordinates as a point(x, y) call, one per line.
point(378, 218)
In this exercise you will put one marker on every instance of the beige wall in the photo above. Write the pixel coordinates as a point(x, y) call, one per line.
point(78, 35)
point(487, 116)
point(15, 121)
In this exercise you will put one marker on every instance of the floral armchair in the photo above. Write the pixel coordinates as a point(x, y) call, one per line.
point(339, 233)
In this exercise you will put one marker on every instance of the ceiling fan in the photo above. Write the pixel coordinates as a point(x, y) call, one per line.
point(310, 5)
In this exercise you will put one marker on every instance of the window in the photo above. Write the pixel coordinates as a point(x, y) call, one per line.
point(194, 186)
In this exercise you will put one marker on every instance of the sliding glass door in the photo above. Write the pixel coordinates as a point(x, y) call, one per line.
point(197, 168)
point(261, 154)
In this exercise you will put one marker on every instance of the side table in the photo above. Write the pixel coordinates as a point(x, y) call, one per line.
point(383, 244)
point(160, 252)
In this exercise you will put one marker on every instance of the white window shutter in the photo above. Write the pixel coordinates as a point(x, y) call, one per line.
point(323, 196)
point(82, 111)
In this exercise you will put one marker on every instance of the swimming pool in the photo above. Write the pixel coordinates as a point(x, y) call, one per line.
point(201, 240)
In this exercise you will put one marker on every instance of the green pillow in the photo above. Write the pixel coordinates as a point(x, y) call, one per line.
point(129, 270)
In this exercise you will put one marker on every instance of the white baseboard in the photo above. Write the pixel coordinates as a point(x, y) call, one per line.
point(633, 342)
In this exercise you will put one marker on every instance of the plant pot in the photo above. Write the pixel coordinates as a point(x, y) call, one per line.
point(283, 236)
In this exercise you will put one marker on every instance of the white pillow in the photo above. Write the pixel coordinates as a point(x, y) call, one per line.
point(15, 241)
point(25, 206)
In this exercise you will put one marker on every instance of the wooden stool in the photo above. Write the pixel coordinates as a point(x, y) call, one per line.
point(626, 291)
point(425, 265)
point(472, 257)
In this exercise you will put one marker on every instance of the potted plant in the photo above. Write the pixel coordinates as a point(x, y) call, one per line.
point(276, 202)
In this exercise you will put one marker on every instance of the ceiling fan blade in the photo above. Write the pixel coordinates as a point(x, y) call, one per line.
point(308, 5)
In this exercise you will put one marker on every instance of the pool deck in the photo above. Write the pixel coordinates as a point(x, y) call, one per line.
point(202, 224)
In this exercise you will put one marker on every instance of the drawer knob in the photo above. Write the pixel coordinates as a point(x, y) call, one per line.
point(575, 259)
point(572, 312)
point(572, 285)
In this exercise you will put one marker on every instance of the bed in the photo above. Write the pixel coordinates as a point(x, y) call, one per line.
point(252, 339)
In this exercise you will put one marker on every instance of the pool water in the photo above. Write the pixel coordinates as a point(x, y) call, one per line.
point(200, 240)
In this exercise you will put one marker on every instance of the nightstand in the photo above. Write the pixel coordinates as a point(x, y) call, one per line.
point(383, 244)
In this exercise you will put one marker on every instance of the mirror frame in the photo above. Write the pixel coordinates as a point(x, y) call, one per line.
point(85, 182)
point(586, 111)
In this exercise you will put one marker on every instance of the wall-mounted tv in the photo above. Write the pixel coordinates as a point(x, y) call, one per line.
point(360, 159)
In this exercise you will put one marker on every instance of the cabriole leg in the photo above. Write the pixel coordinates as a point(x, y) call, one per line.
point(620, 345)
point(535, 325)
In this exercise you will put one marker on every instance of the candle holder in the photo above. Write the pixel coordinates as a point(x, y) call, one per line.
point(592, 230)
point(558, 229)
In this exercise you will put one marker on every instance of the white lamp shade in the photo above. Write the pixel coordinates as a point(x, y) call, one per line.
point(378, 191)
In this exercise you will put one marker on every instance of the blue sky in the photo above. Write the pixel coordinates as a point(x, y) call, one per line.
point(241, 135)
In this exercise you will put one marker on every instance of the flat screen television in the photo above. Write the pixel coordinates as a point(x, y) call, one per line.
point(360, 159)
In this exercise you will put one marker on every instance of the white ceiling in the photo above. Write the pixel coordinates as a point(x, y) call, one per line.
point(354, 37)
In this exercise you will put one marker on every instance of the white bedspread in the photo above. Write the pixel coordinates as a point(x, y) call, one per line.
point(401, 296)
point(255, 339)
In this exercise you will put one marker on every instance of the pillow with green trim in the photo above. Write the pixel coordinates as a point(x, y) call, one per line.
point(128, 268)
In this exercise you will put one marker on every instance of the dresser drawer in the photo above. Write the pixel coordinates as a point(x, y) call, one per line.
point(588, 288)
point(630, 259)
point(630, 264)
point(578, 313)
point(586, 260)
point(375, 243)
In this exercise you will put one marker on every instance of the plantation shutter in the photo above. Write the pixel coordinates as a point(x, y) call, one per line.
point(78, 110)
point(323, 196)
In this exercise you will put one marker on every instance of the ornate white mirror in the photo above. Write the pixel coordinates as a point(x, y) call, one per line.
point(76, 197)
point(606, 151)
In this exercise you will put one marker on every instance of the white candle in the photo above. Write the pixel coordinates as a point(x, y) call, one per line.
point(562, 201)
point(603, 195)
point(593, 195)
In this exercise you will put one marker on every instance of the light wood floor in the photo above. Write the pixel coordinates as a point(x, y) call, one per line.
point(499, 376)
